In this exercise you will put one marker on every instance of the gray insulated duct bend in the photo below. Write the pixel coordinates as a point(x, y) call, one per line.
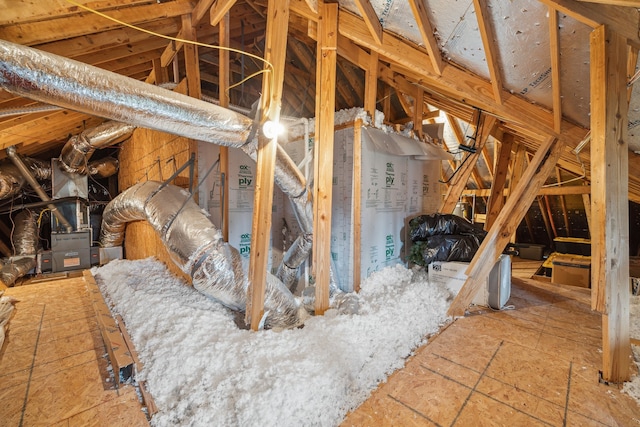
point(25, 243)
point(79, 148)
point(12, 180)
point(197, 248)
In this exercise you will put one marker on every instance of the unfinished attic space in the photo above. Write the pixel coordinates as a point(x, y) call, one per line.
point(320, 213)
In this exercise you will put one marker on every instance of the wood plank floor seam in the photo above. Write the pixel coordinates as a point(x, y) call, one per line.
point(476, 384)
point(566, 406)
point(33, 362)
point(415, 411)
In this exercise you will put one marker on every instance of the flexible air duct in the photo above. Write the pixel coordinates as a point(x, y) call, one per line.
point(104, 167)
point(12, 180)
point(79, 148)
point(25, 244)
point(70, 84)
point(31, 179)
point(197, 248)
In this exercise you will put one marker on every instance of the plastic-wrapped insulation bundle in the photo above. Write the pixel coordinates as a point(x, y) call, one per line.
point(197, 248)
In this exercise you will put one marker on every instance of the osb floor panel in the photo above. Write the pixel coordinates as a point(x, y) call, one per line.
point(535, 365)
point(53, 371)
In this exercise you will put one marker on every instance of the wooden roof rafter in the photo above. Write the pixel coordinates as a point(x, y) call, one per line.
point(554, 43)
point(427, 33)
point(488, 42)
point(370, 19)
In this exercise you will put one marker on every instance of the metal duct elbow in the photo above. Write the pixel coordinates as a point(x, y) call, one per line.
point(197, 247)
point(15, 269)
point(79, 148)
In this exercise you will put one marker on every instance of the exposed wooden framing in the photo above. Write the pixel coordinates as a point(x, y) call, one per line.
point(563, 204)
point(220, 9)
point(459, 181)
point(631, 69)
point(427, 33)
point(386, 103)
point(323, 151)
point(627, 3)
point(506, 224)
point(357, 204)
point(223, 85)
point(487, 161)
point(82, 23)
point(527, 220)
point(200, 10)
point(488, 42)
point(554, 45)
point(172, 50)
point(609, 182)
point(191, 61)
point(552, 231)
point(544, 191)
point(418, 111)
point(586, 200)
point(270, 103)
point(371, 85)
point(458, 85)
point(624, 20)
point(370, 19)
point(496, 197)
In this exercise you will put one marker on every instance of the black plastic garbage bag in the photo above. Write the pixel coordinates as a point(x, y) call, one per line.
point(445, 248)
point(423, 227)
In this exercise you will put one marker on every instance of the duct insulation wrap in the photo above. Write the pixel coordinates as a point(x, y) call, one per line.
point(12, 181)
point(14, 269)
point(103, 168)
point(25, 244)
point(71, 84)
point(79, 148)
point(25, 233)
point(197, 248)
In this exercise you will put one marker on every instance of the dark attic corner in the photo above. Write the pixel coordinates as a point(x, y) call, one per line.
point(313, 212)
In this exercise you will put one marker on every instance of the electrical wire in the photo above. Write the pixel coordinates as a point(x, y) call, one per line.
point(268, 70)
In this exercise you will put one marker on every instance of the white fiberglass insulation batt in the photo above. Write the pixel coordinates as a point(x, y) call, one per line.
point(241, 183)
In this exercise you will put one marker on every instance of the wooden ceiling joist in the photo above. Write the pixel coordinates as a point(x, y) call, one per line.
point(219, 9)
point(85, 23)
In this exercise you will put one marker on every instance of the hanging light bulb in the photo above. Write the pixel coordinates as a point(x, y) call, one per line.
point(271, 129)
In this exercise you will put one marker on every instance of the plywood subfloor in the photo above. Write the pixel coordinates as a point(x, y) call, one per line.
point(53, 370)
point(535, 365)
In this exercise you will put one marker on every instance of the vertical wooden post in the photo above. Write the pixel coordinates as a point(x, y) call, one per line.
point(191, 61)
point(371, 85)
point(272, 83)
point(418, 112)
point(609, 199)
point(496, 198)
point(357, 204)
point(223, 94)
point(323, 149)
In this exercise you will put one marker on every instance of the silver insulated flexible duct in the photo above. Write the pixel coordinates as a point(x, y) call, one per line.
point(25, 244)
point(12, 180)
point(197, 248)
point(70, 84)
point(79, 148)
